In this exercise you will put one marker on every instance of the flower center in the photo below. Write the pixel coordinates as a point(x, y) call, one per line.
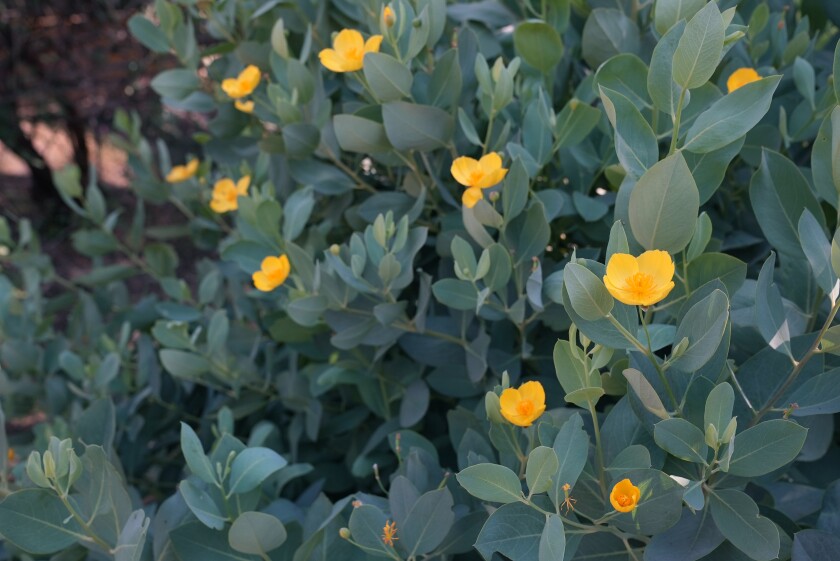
point(640, 283)
point(525, 407)
point(476, 176)
point(355, 54)
point(624, 500)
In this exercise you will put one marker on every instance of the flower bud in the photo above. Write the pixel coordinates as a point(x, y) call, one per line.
point(493, 408)
point(35, 471)
point(335, 249)
point(388, 17)
point(711, 436)
point(730, 431)
point(344, 533)
point(494, 196)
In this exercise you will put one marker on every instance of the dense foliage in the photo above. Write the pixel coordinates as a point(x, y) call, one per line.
point(501, 280)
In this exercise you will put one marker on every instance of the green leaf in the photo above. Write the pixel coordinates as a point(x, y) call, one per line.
point(700, 47)
point(514, 530)
point(491, 482)
point(256, 533)
point(693, 537)
point(704, 325)
point(817, 250)
point(766, 447)
point(366, 523)
point(553, 539)
point(587, 292)
point(148, 33)
point(541, 468)
point(37, 522)
point(183, 364)
point(455, 293)
point(662, 88)
point(176, 84)
point(660, 504)
point(645, 392)
point(252, 466)
point(681, 439)
point(530, 233)
point(836, 71)
point(193, 451)
point(819, 395)
point(779, 194)
point(428, 522)
point(538, 44)
point(635, 143)
point(132, 538)
point(719, 406)
point(195, 541)
point(356, 134)
point(669, 12)
point(574, 123)
point(702, 235)
point(572, 448)
point(736, 516)
point(498, 274)
point(607, 33)
point(709, 169)
point(626, 74)
point(202, 505)
point(732, 116)
point(663, 206)
point(389, 79)
point(410, 126)
point(515, 190)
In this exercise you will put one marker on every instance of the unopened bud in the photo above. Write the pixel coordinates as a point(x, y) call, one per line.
point(730, 431)
point(389, 17)
point(494, 196)
point(344, 533)
point(493, 408)
point(335, 249)
point(496, 71)
point(711, 436)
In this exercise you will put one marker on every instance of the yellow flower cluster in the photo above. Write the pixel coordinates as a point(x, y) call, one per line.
point(477, 175)
point(226, 193)
point(640, 281)
point(244, 84)
point(348, 51)
point(273, 272)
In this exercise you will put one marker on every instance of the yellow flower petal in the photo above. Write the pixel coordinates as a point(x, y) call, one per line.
point(244, 106)
point(332, 61)
point(490, 162)
point(232, 88)
point(373, 43)
point(621, 266)
point(463, 169)
point(242, 185)
point(192, 166)
point(532, 390)
point(471, 197)
point(262, 282)
point(348, 41)
point(249, 78)
point(493, 178)
point(657, 264)
point(741, 77)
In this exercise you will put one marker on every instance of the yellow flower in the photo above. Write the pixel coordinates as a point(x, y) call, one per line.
point(244, 106)
point(388, 16)
point(11, 456)
point(225, 193)
point(642, 280)
point(741, 77)
point(244, 84)
point(181, 173)
point(349, 50)
point(476, 175)
point(523, 406)
point(625, 496)
point(389, 533)
point(273, 272)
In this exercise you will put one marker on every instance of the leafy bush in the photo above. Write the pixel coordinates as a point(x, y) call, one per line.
point(533, 281)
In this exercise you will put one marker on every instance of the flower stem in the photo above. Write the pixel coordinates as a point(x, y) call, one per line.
point(599, 449)
point(677, 120)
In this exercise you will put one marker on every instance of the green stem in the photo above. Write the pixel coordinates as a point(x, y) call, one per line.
point(677, 120)
point(85, 526)
point(489, 132)
point(797, 369)
point(599, 449)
